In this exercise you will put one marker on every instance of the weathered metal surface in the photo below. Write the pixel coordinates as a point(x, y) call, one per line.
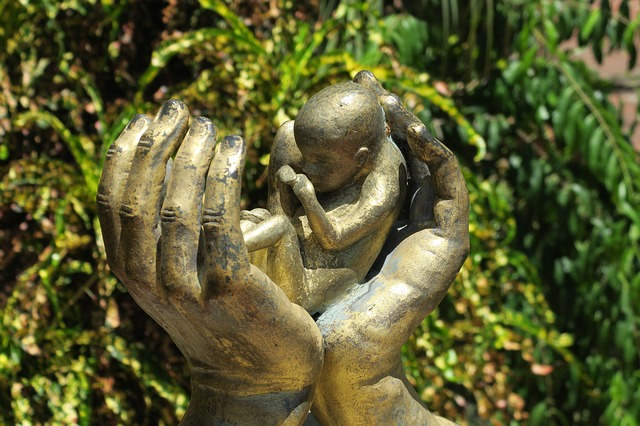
point(338, 184)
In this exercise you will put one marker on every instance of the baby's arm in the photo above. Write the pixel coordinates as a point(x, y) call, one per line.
point(282, 203)
point(379, 198)
point(266, 233)
point(284, 152)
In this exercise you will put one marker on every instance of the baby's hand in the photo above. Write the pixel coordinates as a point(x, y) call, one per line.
point(302, 187)
point(287, 176)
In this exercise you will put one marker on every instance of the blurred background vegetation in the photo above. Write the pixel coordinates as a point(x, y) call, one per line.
point(542, 324)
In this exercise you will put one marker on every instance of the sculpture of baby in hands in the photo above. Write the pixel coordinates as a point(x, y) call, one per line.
point(337, 184)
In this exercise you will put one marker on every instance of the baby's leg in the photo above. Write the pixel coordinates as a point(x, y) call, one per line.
point(282, 259)
point(325, 286)
point(285, 265)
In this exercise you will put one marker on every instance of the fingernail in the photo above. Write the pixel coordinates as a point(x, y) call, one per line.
point(232, 141)
point(138, 122)
point(201, 126)
point(170, 110)
point(364, 75)
point(416, 128)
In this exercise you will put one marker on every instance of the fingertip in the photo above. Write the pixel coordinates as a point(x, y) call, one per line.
point(286, 175)
point(364, 75)
point(171, 110)
point(416, 129)
point(128, 138)
point(232, 146)
point(228, 159)
point(233, 142)
point(204, 121)
point(138, 122)
point(368, 79)
point(201, 126)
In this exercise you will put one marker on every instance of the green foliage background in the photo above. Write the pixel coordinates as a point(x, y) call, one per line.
point(542, 324)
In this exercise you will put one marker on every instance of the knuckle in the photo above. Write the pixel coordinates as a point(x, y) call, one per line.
point(113, 151)
point(129, 212)
point(146, 142)
point(391, 100)
point(213, 217)
point(171, 214)
point(185, 159)
point(103, 201)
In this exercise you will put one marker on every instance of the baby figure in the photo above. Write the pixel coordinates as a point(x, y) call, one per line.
point(337, 184)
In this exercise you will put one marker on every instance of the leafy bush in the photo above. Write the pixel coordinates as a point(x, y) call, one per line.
point(542, 323)
point(557, 142)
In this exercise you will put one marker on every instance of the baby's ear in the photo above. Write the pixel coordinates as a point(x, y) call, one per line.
point(362, 156)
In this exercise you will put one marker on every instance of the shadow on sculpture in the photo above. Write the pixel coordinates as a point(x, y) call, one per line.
point(354, 178)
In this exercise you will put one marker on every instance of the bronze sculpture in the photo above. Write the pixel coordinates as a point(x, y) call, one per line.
point(257, 358)
point(337, 185)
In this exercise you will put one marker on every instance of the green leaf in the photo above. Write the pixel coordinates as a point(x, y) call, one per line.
point(562, 109)
point(180, 45)
point(612, 173)
point(571, 132)
point(629, 211)
point(78, 145)
point(240, 30)
point(552, 34)
point(596, 142)
point(539, 415)
point(594, 18)
point(629, 35)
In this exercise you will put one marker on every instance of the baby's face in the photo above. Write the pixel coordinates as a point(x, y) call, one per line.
point(328, 168)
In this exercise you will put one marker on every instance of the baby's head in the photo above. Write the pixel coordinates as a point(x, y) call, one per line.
point(339, 132)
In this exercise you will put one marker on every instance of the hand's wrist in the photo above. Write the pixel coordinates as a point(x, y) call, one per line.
point(210, 406)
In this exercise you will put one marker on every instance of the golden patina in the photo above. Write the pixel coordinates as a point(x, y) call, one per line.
point(366, 229)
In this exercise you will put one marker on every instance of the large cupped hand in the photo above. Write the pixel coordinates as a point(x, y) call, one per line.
point(254, 356)
point(362, 382)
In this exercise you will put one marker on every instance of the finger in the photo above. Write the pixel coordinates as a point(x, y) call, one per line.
point(451, 209)
point(397, 115)
point(139, 212)
point(303, 187)
point(226, 256)
point(181, 207)
point(112, 182)
point(287, 175)
point(426, 147)
point(366, 78)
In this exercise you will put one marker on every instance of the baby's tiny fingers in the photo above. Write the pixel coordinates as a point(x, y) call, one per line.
point(303, 188)
point(287, 175)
